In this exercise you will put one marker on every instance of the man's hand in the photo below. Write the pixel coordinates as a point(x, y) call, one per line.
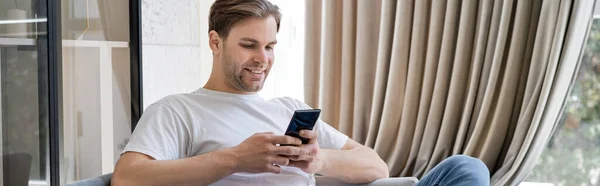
point(312, 162)
point(260, 153)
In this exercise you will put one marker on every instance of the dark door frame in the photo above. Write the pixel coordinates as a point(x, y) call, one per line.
point(135, 40)
point(54, 87)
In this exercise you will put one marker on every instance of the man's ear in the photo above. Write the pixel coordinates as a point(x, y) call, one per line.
point(215, 42)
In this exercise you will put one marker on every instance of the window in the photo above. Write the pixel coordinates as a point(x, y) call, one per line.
point(572, 156)
point(287, 74)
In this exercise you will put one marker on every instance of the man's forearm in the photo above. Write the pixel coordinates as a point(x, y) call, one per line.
point(197, 170)
point(359, 165)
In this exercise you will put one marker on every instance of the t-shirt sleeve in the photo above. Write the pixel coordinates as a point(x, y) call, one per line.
point(160, 134)
point(329, 137)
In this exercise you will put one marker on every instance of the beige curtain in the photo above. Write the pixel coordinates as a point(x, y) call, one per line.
point(421, 80)
point(114, 18)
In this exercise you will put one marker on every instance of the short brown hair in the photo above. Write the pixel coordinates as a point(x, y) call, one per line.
point(224, 14)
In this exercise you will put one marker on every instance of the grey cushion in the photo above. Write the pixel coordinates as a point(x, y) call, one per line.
point(104, 180)
point(401, 181)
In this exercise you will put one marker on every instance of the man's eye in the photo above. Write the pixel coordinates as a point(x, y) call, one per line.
point(248, 46)
point(269, 47)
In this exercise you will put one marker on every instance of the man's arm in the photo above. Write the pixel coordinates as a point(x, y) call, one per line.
point(138, 169)
point(259, 153)
point(355, 163)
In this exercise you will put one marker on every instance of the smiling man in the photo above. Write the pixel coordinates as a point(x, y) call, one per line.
point(225, 134)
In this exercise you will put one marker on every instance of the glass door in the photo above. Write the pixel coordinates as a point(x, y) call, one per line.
point(68, 72)
point(24, 93)
point(95, 86)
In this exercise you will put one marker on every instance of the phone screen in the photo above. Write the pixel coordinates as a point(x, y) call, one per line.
point(301, 120)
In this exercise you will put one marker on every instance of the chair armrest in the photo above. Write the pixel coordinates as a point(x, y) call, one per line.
point(103, 180)
point(397, 181)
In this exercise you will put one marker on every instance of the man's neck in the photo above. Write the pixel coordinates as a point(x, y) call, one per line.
point(213, 84)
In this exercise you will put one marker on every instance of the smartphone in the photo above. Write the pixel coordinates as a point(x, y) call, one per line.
point(301, 120)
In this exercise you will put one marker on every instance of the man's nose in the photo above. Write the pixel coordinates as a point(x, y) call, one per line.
point(261, 56)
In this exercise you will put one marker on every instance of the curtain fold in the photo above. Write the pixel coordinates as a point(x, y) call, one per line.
point(421, 80)
point(114, 19)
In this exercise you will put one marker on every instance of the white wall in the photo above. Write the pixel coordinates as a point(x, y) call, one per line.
point(176, 57)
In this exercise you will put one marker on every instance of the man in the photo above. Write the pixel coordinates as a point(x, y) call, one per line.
point(225, 134)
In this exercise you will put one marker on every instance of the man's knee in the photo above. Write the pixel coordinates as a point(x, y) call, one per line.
point(469, 167)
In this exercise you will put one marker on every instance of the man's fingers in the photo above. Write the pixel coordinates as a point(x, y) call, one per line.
point(293, 158)
point(303, 158)
point(299, 158)
point(278, 160)
point(274, 169)
point(290, 150)
point(311, 135)
point(286, 140)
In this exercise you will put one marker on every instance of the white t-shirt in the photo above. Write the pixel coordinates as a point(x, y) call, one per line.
point(191, 124)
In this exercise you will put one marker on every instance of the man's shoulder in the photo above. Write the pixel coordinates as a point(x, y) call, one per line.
point(290, 102)
point(178, 100)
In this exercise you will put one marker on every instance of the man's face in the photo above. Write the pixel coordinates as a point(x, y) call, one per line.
point(248, 55)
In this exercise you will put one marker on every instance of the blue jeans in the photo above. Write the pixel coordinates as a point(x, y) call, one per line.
point(457, 170)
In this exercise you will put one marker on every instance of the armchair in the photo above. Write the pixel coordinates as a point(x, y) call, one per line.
point(104, 180)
